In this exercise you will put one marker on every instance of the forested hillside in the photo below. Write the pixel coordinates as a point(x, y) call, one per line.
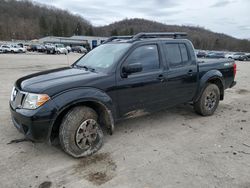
point(201, 38)
point(27, 20)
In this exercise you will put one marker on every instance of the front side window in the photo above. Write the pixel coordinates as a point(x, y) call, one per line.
point(147, 56)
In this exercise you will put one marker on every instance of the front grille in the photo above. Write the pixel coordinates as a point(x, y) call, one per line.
point(18, 97)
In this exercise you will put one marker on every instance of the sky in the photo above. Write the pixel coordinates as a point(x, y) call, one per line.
point(231, 17)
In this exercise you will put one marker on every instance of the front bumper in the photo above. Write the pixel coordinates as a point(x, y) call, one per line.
point(36, 124)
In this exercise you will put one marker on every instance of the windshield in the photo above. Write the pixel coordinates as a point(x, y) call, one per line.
point(60, 45)
point(239, 53)
point(103, 57)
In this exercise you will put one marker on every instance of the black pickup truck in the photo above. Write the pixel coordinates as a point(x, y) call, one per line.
point(123, 76)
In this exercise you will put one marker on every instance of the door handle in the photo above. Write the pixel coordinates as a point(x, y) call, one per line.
point(190, 73)
point(161, 78)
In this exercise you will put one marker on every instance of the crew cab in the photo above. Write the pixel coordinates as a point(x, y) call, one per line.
point(146, 72)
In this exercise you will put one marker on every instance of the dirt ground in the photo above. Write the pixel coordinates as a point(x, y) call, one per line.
point(172, 148)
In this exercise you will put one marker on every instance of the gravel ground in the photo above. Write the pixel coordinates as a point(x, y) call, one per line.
point(171, 148)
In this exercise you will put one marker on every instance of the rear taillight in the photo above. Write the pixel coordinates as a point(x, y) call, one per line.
point(235, 67)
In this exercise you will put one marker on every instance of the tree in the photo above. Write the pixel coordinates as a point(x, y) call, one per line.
point(78, 30)
point(57, 28)
point(90, 31)
point(43, 26)
point(114, 32)
point(65, 29)
point(131, 31)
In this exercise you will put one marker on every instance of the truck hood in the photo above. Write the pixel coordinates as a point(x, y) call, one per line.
point(56, 80)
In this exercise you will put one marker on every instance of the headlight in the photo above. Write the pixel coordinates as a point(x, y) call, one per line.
point(33, 101)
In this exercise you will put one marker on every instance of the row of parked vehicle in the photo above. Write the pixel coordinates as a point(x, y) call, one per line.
point(239, 56)
point(13, 48)
point(48, 48)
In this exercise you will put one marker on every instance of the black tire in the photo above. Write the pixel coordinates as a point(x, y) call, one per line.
point(208, 101)
point(74, 139)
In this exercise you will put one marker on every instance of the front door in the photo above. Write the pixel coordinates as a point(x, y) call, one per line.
point(142, 91)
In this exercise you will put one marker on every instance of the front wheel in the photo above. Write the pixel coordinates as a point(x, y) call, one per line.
point(80, 134)
point(208, 101)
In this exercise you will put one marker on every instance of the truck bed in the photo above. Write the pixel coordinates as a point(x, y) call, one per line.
point(223, 65)
point(219, 60)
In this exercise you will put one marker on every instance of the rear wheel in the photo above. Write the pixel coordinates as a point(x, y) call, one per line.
point(208, 101)
point(80, 134)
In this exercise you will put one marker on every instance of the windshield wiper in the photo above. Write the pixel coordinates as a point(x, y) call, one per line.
point(89, 68)
point(85, 67)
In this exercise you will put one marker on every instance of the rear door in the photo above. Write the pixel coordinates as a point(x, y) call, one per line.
point(181, 73)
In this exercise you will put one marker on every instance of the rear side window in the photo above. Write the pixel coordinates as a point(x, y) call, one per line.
point(184, 53)
point(176, 54)
point(146, 55)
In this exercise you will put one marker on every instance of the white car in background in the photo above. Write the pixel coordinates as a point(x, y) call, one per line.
point(17, 49)
point(12, 48)
point(60, 49)
point(68, 48)
point(229, 55)
point(5, 48)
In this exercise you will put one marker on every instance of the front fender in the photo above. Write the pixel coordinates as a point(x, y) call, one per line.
point(73, 96)
point(69, 98)
point(208, 76)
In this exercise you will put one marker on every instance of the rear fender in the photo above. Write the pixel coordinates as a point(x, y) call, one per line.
point(212, 76)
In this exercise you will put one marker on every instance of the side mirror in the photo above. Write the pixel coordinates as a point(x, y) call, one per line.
point(131, 68)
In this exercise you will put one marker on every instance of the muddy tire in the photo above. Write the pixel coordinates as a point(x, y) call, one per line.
point(80, 134)
point(208, 101)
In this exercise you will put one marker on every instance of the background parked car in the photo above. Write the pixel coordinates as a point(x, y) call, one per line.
point(10, 49)
point(60, 49)
point(37, 48)
point(248, 56)
point(68, 48)
point(201, 54)
point(215, 55)
point(240, 56)
point(26, 46)
point(33, 47)
point(5, 48)
point(41, 48)
point(79, 49)
point(50, 48)
point(229, 55)
point(17, 49)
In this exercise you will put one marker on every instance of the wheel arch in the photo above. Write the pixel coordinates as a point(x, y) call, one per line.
point(105, 116)
point(99, 101)
point(214, 77)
